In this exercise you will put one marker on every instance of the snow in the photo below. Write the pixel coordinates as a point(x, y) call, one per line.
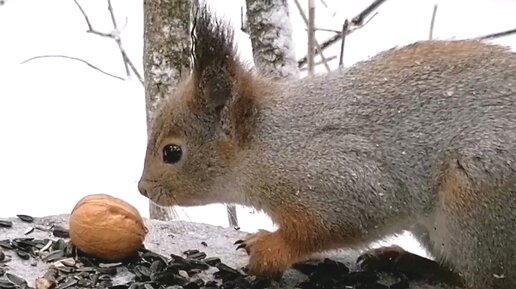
point(67, 130)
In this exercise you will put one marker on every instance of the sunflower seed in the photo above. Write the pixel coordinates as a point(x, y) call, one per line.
point(6, 224)
point(60, 232)
point(69, 283)
point(5, 284)
point(53, 256)
point(6, 244)
point(18, 281)
point(28, 230)
point(2, 255)
point(212, 261)
point(23, 255)
point(46, 246)
point(26, 218)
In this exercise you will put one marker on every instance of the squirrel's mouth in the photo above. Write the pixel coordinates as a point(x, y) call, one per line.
point(162, 197)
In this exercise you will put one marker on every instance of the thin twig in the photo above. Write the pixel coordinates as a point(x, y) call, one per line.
point(73, 58)
point(359, 19)
point(317, 45)
point(357, 23)
point(326, 30)
point(432, 23)
point(333, 57)
point(497, 35)
point(115, 35)
point(345, 27)
point(311, 36)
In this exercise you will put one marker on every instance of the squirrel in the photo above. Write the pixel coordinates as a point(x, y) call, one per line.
point(418, 138)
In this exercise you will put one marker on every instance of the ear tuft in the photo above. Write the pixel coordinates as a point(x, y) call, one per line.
point(215, 63)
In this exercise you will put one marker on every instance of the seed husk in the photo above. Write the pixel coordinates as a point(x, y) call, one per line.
point(28, 230)
point(25, 218)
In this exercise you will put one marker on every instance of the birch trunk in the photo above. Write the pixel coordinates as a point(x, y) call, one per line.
point(166, 59)
point(270, 30)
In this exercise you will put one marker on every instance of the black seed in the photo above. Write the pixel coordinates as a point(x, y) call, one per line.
point(68, 283)
point(144, 270)
point(190, 252)
point(157, 266)
point(110, 270)
point(6, 244)
point(26, 218)
point(54, 256)
point(6, 224)
point(212, 261)
point(198, 256)
point(23, 255)
point(59, 245)
point(2, 255)
point(175, 287)
point(194, 284)
point(165, 277)
point(18, 281)
point(198, 264)
point(204, 244)
point(60, 232)
point(225, 268)
point(5, 284)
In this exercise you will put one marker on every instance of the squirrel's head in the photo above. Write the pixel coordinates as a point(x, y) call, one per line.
point(199, 131)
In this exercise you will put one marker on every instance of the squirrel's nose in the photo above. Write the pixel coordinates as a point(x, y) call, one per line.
point(143, 188)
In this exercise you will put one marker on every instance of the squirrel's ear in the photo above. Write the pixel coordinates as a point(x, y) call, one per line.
point(215, 63)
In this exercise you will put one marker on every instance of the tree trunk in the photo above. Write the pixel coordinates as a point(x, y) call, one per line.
point(166, 58)
point(270, 30)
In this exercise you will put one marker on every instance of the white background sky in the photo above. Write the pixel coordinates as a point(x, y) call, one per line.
point(67, 131)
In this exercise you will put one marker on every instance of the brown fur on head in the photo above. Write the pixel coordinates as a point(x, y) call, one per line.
point(209, 117)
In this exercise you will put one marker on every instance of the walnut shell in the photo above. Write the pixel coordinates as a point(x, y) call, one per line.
point(106, 227)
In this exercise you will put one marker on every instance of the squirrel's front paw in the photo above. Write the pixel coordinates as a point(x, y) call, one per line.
point(269, 254)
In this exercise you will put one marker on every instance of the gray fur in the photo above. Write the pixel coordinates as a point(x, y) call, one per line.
point(367, 150)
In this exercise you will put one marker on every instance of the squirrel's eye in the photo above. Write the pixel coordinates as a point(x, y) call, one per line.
point(172, 153)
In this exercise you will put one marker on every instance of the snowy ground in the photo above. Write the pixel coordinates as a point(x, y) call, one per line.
point(67, 131)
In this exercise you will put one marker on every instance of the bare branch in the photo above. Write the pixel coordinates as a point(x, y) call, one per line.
point(311, 36)
point(345, 28)
point(497, 35)
point(333, 57)
point(73, 58)
point(115, 35)
point(359, 19)
point(432, 22)
point(317, 45)
point(357, 23)
point(113, 19)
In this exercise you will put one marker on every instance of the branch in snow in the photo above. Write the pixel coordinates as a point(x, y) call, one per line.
point(317, 45)
point(73, 58)
point(357, 22)
point(432, 23)
point(115, 35)
point(497, 35)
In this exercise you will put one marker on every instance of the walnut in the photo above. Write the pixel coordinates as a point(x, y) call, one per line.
point(106, 227)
